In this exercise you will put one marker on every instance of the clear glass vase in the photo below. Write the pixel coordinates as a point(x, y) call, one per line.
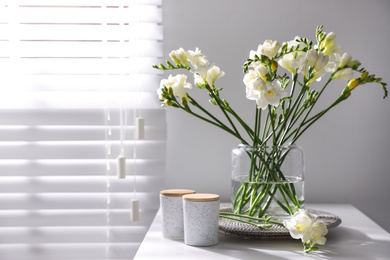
point(267, 181)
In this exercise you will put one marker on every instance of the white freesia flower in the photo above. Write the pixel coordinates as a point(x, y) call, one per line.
point(212, 74)
point(200, 71)
point(197, 58)
point(179, 56)
point(265, 93)
point(268, 48)
point(303, 226)
point(354, 63)
point(198, 80)
point(344, 60)
point(316, 60)
point(300, 63)
point(177, 83)
point(254, 84)
point(300, 225)
point(251, 79)
point(259, 70)
point(293, 60)
point(346, 74)
point(319, 230)
point(333, 62)
point(346, 63)
point(287, 61)
point(200, 66)
point(254, 89)
point(329, 45)
point(317, 76)
point(255, 80)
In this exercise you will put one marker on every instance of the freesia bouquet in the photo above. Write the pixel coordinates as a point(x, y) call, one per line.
point(285, 99)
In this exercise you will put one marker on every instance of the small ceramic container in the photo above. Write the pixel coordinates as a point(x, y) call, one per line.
point(201, 217)
point(171, 204)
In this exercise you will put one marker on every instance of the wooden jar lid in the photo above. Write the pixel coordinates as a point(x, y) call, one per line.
point(201, 197)
point(176, 192)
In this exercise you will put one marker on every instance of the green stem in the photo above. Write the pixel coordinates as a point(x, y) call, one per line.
point(272, 124)
point(209, 121)
point(217, 122)
point(297, 133)
point(225, 214)
point(285, 199)
point(316, 117)
point(243, 124)
point(285, 120)
point(257, 126)
point(241, 202)
point(218, 101)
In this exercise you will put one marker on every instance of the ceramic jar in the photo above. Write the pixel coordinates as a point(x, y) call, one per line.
point(201, 217)
point(172, 212)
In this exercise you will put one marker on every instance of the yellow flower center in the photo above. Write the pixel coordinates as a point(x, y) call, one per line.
point(270, 93)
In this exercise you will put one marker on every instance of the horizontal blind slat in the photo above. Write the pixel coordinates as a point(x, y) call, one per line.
point(72, 218)
point(94, 83)
point(72, 184)
point(65, 3)
point(85, 32)
point(80, 66)
point(71, 116)
point(72, 100)
point(76, 201)
point(47, 14)
point(78, 167)
point(75, 133)
point(78, 150)
point(142, 48)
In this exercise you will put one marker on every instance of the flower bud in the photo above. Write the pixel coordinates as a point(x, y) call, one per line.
point(274, 65)
point(179, 56)
point(265, 59)
point(354, 63)
point(168, 102)
point(346, 92)
point(172, 54)
point(364, 75)
point(353, 83)
point(184, 101)
point(170, 91)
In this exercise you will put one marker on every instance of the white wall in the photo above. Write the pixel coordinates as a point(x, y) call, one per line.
point(347, 152)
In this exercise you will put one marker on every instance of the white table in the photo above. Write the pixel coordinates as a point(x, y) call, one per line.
point(358, 237)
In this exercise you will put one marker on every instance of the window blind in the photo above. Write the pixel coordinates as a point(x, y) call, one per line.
point(74, 76)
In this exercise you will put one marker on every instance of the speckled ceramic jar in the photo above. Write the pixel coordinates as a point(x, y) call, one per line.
point(201, 216)
point(172, 212)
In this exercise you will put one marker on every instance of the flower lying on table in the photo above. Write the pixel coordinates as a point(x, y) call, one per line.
point(288, 103)
point(303, 226)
